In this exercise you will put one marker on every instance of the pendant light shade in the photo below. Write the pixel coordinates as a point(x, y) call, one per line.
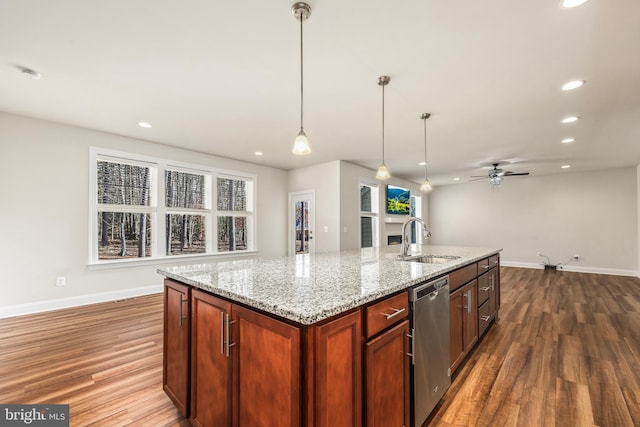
point(383, 172)
point(301, 146)
point(426, 185)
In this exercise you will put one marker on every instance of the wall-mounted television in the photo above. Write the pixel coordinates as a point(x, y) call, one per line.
point(398, 200)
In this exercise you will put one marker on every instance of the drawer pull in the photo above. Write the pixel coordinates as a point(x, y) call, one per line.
point(485, 289)
point(182, 317)
point(486, 267)
point(485, 318)
point(396, 311)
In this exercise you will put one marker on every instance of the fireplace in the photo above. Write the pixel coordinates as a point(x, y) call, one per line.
point(394, 239)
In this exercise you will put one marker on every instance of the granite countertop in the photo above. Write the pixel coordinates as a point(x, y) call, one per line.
point(311, 288)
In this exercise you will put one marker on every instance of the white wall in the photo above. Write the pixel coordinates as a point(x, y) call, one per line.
point(325, 180)
point(44, 211)
point(592, 214)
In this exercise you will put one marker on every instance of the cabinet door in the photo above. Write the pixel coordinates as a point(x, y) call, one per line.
point(267, 382)
point(470, 315)
point(456, 323)
point(387, 378)
point(210, 366)
point(175, 366)
point(493, 294)
point(338, 372)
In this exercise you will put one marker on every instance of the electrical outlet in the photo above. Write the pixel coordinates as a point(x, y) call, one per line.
point(61, 281)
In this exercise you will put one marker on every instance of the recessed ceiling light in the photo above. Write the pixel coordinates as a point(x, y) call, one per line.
point(456, 179)
point(144, 125)
point(570, 119)
point(572, 3)
point(31, 74)
point(574, 84)
point(565, 166)
point(568, 140)
point(422, 163)
point(258, 153)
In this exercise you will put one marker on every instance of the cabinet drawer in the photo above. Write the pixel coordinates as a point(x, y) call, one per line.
point(462, 275)
point(484, 288)
point(494, 261)
point(484, 317)
point(483, 265)
point(386, 313)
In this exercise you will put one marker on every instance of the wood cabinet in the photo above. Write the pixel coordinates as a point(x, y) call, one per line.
point(488, 295)
point(387, 378)
point(245, 366)
point(463, 322)
point(336, 351)
point(211, 376)
point(176, 344)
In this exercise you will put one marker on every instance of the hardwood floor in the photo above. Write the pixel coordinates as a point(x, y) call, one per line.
point(565, 352)
point(104, 360)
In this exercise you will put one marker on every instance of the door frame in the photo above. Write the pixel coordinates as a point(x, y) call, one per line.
point(295, 196)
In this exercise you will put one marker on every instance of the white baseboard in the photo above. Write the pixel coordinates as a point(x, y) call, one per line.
point(574, 268)
point(56, 304)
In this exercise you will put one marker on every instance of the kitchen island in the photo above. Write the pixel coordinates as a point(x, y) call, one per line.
point(307, 340)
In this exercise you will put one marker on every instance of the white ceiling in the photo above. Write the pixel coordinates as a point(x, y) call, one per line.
point(222, 77)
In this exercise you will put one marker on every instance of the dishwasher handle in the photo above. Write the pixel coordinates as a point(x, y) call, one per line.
point(429, 289)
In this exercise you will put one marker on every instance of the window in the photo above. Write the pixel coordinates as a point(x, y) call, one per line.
point(368, 215)
point(132, 222)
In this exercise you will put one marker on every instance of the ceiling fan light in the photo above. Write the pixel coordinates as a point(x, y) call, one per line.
point(574, 84)
point(426, 186)
point(301, 145)
point(570, 119)
point(383, 172)
point(495, 180)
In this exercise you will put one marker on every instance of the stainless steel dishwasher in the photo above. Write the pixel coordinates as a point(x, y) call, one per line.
point(431, 376)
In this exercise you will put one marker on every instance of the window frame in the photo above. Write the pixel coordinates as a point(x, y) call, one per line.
point(374, 214)
point(158, 209)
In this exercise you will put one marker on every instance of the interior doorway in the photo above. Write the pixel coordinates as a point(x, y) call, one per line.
point(301, 222)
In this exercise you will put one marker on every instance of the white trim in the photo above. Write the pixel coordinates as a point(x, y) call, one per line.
point(291, 219)
point(590, 270)
point(56, 304)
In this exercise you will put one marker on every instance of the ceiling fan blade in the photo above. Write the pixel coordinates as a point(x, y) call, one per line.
point(478, 178)
point(516, 174)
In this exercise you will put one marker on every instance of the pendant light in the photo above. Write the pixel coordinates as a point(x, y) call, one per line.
point(426, 185)
point(301, 147)
point(383, 172)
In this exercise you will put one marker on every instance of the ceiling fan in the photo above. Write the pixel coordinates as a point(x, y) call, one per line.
point(495, 175)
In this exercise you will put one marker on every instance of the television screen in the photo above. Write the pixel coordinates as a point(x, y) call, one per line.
point(398, 200)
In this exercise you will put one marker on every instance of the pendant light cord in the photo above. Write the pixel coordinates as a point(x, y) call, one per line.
point(383, 124)
point(301, 76)
point(425, 148)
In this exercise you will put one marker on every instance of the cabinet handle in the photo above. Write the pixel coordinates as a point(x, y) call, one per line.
point(469, 301)
point(485, 289)
point(182, 301)
point(495, 262)
point(493, 282)
point(486, 267)
point(411, 337)
point(227, 323)
point(222, 322)
point(396, 311)
point(485, 318)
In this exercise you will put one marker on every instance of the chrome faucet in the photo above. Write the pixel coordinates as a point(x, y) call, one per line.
point(404, 247)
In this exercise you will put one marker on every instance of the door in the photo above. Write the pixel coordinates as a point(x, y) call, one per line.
point(267, 383)
point(387, 378)
point(210, 362)
point(301, 222)
point(176, 344)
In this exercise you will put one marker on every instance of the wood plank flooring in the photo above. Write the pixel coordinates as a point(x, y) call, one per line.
point(104, 360)
point(565, 352)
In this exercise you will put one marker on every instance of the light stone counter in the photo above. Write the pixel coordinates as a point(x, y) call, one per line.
point(311, 288)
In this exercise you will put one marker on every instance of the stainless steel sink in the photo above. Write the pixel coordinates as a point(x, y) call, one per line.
point(432, 259)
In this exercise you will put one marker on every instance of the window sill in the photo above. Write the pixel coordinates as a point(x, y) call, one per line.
point(176, 259)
